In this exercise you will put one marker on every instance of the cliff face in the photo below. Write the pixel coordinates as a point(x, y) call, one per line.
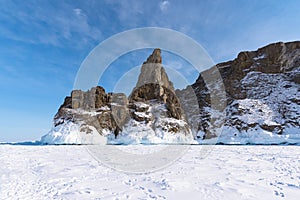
point(263, 92)
point(262, 104)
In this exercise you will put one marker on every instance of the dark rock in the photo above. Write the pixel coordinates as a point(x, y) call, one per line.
point(276, 128)
point(157, 92)
point(275, 61)
point(113, 111)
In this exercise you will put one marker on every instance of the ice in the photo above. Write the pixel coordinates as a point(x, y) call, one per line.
point(69, 133)
point(227, 172)
point(139, 133)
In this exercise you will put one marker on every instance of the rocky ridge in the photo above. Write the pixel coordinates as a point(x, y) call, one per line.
point(263, 94)
point(262, 104)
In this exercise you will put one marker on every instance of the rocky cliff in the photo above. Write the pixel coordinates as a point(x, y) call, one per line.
point(262, 105)
point(151, 114)
point(263, 96)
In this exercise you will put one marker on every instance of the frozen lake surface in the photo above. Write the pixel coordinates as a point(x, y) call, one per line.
point(227, 172)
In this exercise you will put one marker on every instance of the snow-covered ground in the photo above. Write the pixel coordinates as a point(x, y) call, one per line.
point(227, 172)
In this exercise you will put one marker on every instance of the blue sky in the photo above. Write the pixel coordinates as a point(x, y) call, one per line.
point(44, 42)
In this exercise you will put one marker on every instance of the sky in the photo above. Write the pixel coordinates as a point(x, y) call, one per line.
point(43, 43)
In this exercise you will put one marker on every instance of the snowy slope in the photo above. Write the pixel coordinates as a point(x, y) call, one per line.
point(270, 116)
point(263, 98)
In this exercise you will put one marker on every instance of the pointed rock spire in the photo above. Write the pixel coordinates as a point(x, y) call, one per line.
point(153, 83)
point(152, 72)
point(155, 57)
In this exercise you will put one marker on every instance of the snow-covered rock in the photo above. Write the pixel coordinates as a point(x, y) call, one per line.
point(258, 93)
point(151, 114)
point(263, 97)
point(72, 133)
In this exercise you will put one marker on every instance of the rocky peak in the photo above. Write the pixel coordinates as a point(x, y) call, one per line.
point(153, 105)
point(152, 72)
point(155, 57)
point(153, 83)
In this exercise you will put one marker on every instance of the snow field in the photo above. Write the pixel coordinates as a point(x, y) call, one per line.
point(227, 172)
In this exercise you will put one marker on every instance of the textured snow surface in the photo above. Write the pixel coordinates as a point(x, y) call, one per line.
point(69, 133)
point(254, 136)
point(137, 133)
point(228, 172)
point(140, 133)
point(272, 94)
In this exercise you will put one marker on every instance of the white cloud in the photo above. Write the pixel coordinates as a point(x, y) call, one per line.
point(164, 5)
point(44, 24)
point(77, 11)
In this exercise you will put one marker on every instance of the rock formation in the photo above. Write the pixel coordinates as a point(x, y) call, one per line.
point(153, 83)
point(152, 107)
point(262, 89)
point(262, 101)
point(152, 72)
point(92, 108)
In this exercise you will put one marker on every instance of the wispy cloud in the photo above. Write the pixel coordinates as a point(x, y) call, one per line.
point(164, 5)
point(78, 11)
point(46, 24)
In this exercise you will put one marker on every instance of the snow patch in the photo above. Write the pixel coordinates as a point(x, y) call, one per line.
point(70, 133)
point(259, 57)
